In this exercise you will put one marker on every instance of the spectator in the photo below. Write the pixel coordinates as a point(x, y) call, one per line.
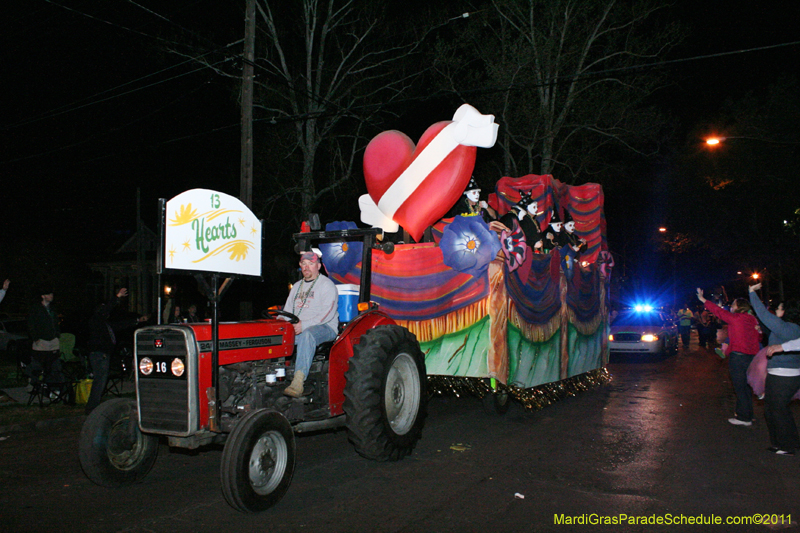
point(102, 342)
point(191, 314)
point(685, 317)
point(6, 283)
point(45, 333)
point(172, 315)
point(783, 377)
point(743, 337)
point(704, 329)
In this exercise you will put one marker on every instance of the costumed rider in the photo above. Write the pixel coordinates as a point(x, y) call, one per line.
point(553, 237)
point(315, 301)
point(470, 203)
point(525, 212)
point(573, 244)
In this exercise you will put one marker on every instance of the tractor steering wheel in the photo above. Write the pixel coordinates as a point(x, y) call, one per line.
point(274, 313)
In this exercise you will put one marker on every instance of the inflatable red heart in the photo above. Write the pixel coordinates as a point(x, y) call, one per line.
point(389, 155)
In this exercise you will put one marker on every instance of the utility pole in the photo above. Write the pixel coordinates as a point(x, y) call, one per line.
point(246, 176)
point(246, 179)
point(141, 302)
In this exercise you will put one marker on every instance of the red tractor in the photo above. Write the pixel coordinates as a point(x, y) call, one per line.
point(371, 379)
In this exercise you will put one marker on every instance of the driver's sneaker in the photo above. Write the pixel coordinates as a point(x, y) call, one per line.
point(737, 422)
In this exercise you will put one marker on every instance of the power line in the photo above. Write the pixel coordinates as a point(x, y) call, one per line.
point(306, 116)
point(93, 100)
point(81, 13)
point(519, 86)
point(113, 130)
point(189, 31)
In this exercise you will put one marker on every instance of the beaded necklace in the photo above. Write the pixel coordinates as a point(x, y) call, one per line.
point(303, 297)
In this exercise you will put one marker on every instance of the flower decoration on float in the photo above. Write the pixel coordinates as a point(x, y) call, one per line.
point(342, 256)
point(468, 245)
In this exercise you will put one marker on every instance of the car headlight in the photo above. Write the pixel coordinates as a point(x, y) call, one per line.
point(649, 338)
point(146, 366)
point(611, 337)
point(177, 367)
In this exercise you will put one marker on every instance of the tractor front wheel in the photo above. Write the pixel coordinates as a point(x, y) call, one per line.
point(258, 461)
point(112, 450)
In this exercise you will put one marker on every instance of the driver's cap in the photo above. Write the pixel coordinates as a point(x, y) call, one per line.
point(314, 255)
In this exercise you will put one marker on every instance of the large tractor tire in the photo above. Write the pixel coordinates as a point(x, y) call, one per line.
point(258, 461)
point(385, 395)
point(112, 450)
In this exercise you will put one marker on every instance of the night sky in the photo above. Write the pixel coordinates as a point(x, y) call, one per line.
point(94, 107)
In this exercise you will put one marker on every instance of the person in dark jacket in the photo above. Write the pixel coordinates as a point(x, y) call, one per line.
point(45, 332)
point(102, 342)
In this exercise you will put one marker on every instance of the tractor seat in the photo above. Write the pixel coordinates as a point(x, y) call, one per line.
point(323, 351)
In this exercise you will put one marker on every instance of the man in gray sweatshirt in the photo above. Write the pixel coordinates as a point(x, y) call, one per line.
point(315, 301)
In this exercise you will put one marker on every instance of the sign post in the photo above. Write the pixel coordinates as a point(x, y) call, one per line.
point(209, 232)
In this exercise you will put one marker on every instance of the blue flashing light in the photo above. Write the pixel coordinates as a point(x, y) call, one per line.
point(643, 308)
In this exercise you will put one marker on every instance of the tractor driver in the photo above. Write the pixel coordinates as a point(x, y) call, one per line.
point(315, 301)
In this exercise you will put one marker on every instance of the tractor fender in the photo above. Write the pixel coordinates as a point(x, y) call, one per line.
point(342, 351)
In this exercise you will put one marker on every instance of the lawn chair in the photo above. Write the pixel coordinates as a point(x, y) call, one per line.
point(73, 361)
point(48, 383)
point(119, 370)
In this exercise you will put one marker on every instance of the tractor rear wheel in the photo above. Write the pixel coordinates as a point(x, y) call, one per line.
point(385, 395)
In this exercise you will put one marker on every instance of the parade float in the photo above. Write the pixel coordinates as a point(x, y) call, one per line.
point(492, 311)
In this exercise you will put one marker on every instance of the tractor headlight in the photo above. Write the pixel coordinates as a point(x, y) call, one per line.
point(177, 367)
point(146, 366)
point(649, 338)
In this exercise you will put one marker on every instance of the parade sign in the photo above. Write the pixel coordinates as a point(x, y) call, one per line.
point(210, 231)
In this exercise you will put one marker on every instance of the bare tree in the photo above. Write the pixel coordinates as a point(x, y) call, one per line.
point(325, 70)
point(327, 67)
point(559, 74)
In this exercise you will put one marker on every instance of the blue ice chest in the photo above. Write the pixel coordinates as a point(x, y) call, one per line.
point(348, 301)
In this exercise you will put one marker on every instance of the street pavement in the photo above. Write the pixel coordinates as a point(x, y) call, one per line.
point(652, 445)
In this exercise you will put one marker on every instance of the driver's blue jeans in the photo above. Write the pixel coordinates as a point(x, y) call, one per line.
point(307, 343)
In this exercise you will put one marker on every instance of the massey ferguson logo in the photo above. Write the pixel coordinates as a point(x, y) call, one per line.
point(239, 344)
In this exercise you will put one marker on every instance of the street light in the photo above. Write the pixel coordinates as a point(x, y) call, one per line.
point(715, 141)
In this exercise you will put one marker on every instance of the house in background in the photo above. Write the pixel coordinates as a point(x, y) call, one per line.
point(134, 267)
